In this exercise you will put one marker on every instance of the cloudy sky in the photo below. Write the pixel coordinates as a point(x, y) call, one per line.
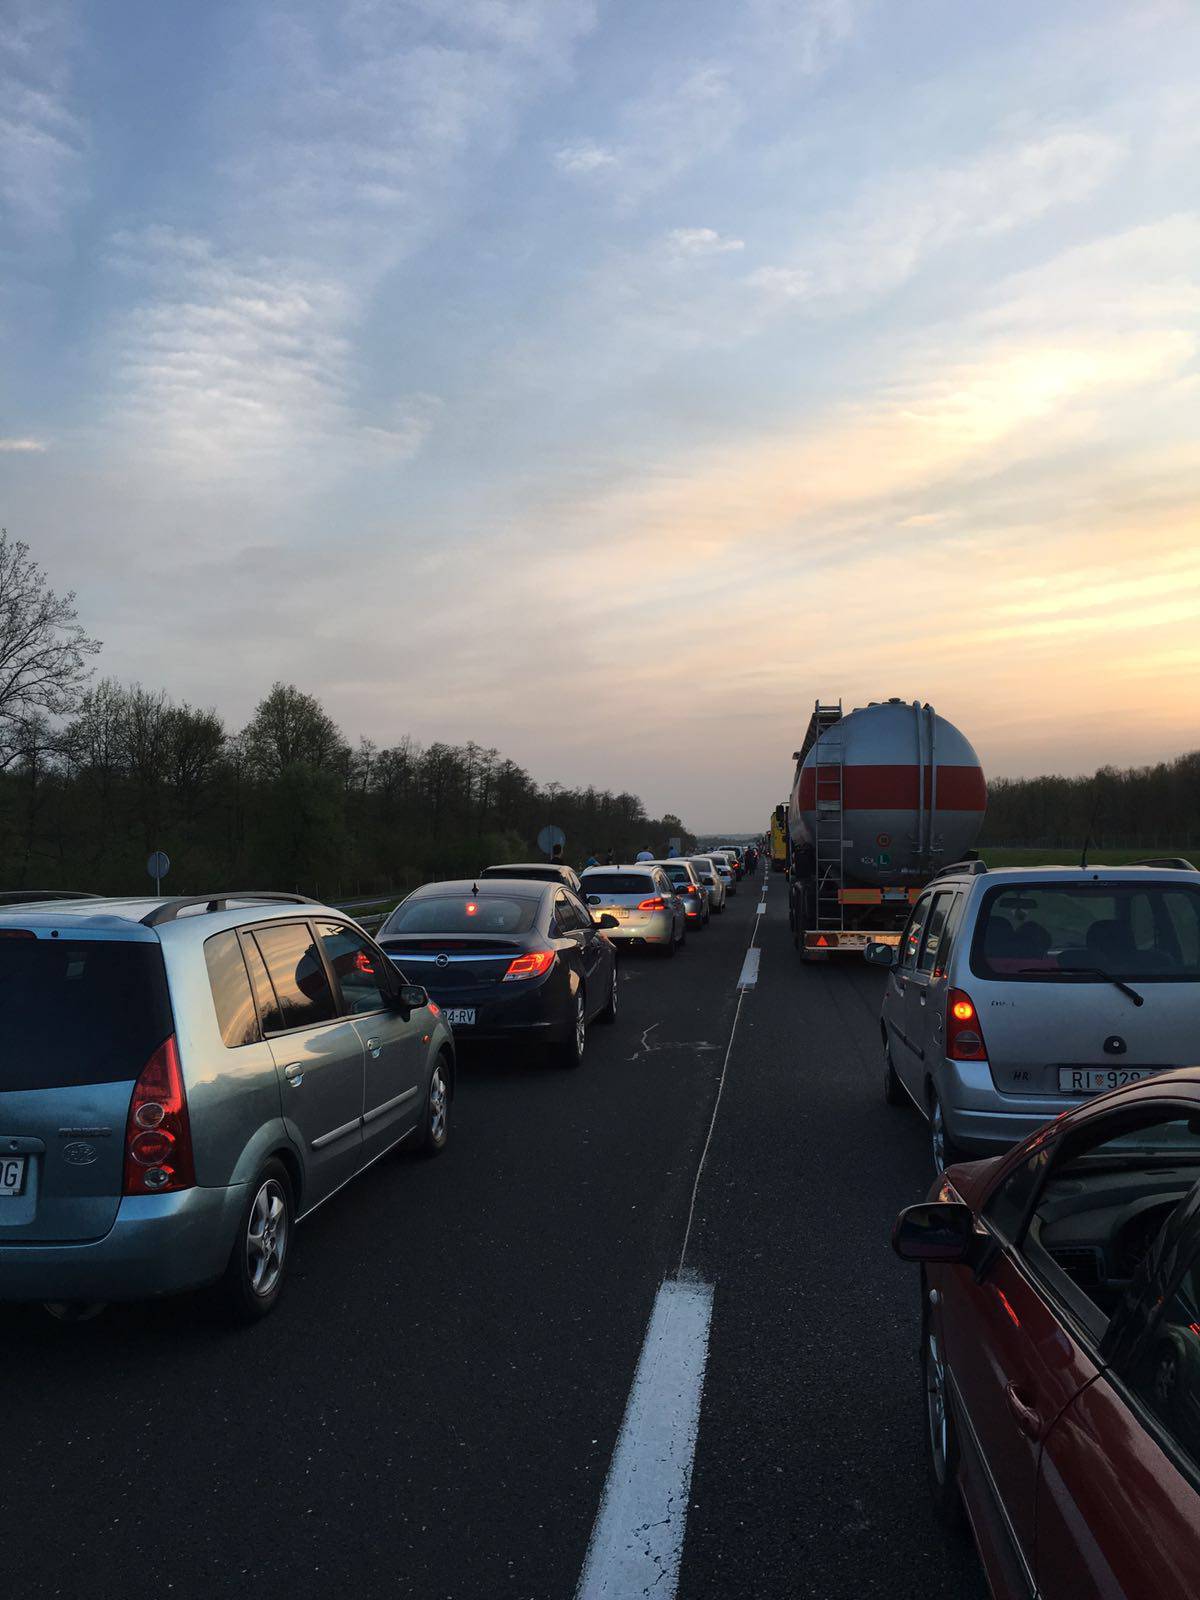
point(607, 379)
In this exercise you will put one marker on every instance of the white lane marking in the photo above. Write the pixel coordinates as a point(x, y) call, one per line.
point(762, 908)
point(749, 973)
point(637, 1539)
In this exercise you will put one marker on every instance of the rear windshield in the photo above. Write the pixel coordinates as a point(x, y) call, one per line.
point(79, 1012)
point(618, 883)
point(678, 874)
point(1090, 932)
point(490, 913)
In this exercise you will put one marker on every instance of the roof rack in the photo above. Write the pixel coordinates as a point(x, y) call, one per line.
point(23, 897)
point(969, 869)
point(1174, 863)
point(170, 909)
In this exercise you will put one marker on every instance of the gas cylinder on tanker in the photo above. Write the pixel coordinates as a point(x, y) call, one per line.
point(883, 796)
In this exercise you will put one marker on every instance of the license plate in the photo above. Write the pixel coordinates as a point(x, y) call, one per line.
point(12, 1175)
point(1096, 1080)
point(621, 913)
point(459, 1016)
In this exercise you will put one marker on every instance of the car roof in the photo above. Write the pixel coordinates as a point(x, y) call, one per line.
point(482, 888)
point(528, 866)
point(1059, 874)
point(630, 866)
point(170, 917)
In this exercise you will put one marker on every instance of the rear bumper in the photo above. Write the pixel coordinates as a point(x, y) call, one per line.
point(533, 1008)
point(980, 1119)
point(657, 928)
point(159, 1244)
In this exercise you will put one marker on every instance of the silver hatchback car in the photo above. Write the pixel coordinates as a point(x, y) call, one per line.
point(710, 876)
point(643, 900)
point(182, 1081)
point(1017, 992)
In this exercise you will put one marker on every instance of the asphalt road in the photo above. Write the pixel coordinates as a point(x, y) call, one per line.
point(432, 1409)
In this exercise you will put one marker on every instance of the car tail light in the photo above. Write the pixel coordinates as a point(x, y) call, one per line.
point(531, 965)
point(657, 904)
point(964, 1036)
point(158, 1135)
point(17, 933)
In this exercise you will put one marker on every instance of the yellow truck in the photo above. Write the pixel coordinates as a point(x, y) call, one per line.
point(779, 838)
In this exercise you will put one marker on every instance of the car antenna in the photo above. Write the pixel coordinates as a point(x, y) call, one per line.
point(1083, 854)
point(474, 891)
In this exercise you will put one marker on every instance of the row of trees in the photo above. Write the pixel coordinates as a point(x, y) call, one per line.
point(1155, 807)
point(286, 801)
point(95, 775)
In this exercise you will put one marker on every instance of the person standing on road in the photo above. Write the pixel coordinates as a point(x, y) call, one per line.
point(591, 861)
point(645, 855)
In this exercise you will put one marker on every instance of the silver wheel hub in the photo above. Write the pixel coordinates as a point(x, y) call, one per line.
point(266, 1238)
point(935, 1400)
point(437, 1106)
point(580, 1028)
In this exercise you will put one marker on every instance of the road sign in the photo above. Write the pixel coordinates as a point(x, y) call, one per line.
point(158, 866)
point(549, 837)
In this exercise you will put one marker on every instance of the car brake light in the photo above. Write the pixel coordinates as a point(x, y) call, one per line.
point(531, 965)
point(17, 933)
point(964, 1036)
point(656, 904)
point(158, 1135)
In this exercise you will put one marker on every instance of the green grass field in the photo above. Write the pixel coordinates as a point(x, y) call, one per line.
point(1000, 856)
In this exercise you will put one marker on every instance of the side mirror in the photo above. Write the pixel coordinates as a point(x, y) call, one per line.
point(412, 997)
point(940, 1230)
point(880, 954)
point(608, 921)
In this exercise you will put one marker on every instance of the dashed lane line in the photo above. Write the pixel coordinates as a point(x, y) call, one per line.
point(637, 1539)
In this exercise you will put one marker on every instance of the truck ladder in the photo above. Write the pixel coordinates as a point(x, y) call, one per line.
point(829, 798)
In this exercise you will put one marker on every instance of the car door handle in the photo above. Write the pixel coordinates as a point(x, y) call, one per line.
point(1023, 1414)
point(373, 1046)
point(294, 1073)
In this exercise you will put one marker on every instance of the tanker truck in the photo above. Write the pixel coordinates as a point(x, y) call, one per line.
point(883, 797)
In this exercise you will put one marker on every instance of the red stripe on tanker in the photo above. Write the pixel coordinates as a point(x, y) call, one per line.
point(885, 788)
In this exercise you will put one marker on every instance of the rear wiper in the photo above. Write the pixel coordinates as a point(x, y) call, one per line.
point(1096, 972)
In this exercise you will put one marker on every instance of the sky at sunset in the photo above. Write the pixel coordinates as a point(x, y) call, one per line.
point(606, 380)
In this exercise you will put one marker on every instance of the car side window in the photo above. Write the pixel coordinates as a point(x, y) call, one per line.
point(229, 981)
point(1008, 1205)
point(583, 917)
point(935, 930)
point(1166, 1375)
point(910, 942)
point(356, 965)
point(297, 974)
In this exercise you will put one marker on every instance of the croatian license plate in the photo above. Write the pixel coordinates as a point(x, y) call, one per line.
point(459, 1016)
point(12, 1175)
point(621, 913)
point(1096, 1080)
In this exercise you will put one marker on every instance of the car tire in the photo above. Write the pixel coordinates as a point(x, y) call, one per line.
point(433, 1131)
point(893, 1089)
point(570, 1052)
point(941, 1433)
point(609, 1013)
point(942, 1147)
point(668, 950)
point(254, 1276)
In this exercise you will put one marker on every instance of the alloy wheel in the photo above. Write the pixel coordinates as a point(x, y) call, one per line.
point(937, 1135)
point(580, 1027)
point(935, 1405)
point(437, 1106)
point(267, 1237)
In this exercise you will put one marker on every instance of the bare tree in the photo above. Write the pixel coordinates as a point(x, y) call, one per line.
point(43, 650)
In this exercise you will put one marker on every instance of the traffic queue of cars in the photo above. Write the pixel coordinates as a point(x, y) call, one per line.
point(186, 1079)
point(1048, 1021)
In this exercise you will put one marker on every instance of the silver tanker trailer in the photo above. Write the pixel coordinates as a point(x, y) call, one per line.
point(883, 797)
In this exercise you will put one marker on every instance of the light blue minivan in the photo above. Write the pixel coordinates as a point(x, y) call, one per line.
point(182, 1081)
